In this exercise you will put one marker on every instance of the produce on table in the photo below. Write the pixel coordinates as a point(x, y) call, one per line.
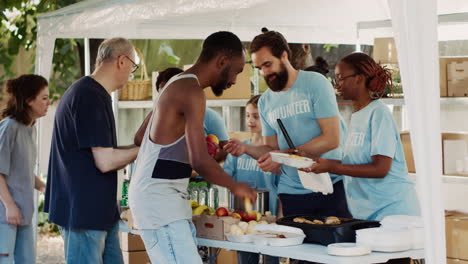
point(212, 143)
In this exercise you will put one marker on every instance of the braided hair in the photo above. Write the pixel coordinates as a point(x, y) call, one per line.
point(377, 76)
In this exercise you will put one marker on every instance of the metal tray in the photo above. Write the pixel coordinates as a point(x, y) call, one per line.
point(328, 234)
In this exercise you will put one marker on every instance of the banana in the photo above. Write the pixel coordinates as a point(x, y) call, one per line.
point(199, 210)
point(193, 204)
point(211, 211)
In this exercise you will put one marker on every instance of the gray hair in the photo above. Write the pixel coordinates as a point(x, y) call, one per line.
point(111, 48)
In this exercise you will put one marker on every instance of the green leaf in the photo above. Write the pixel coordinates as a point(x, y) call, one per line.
point(13, 45)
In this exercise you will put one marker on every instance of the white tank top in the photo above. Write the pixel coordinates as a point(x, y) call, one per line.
point(158, 188)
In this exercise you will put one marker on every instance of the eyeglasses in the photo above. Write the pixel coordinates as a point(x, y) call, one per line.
point(338, 80)
point(135, 66)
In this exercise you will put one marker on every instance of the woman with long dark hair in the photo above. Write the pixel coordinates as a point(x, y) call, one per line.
point(28, 101)
point(373, 163)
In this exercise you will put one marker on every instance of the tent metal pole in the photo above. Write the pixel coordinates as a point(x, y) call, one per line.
point(87, 59)
point(358, 42)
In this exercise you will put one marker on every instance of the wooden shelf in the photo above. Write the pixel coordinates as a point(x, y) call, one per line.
point(242, 102)
point(209, 103)
point(135, 104)
point(453, 179)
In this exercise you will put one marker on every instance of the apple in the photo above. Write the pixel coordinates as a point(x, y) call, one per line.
point(221, 211)
point(212, 148)
point(249, 216)
point(239, 213)
point(212, 138)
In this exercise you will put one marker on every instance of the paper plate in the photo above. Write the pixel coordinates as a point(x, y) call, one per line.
point(348, 249)
point(291, 160)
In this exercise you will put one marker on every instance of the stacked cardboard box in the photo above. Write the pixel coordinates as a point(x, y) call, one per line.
point(408, 150)
point(456, 230)
point(212, 226)
point(133, 249)
point(453, 76)
point(241, 90)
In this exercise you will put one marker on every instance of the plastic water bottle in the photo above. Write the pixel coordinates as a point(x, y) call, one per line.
point(124, 201)
point(193, 191)
point(202, 193)
point(213, 196)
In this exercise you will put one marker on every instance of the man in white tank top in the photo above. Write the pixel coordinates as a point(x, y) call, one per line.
point(173, 144)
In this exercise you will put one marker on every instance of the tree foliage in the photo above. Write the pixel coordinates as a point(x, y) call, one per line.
point(18, 24)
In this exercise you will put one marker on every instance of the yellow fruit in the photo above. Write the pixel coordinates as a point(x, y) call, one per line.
point(247, 205)
point(199, 210)
point(193, 204)
point(211, 211)
point(259, 216)
point(212, 138)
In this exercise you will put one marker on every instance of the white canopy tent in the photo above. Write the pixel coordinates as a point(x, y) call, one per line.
point(302, 21)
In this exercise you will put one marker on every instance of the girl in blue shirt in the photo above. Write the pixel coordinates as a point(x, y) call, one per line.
point(245, 169)
point(377, 183)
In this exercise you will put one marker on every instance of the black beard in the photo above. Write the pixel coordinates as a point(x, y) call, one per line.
point(222, 85)
point(280, 81)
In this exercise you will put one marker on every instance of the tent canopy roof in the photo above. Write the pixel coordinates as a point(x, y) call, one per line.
point(303, 21)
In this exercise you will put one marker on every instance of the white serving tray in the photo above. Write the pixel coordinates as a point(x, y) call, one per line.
point(265, 236)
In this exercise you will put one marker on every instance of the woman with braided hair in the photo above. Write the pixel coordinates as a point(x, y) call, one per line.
point(373, 163)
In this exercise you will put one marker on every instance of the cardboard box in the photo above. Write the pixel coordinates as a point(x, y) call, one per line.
point(447, 157)
point(456, 261)
point(130, 242)
point(127, 216)
point(136, 257)
point(456, 231)
point(385, 51)
point(408, 150)
point(444, 76)
point(212, 226)
point(241, 90)
point(226, 257)
point(457, 78)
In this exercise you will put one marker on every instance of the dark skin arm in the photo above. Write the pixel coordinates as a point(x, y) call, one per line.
point(194, 112)
point(220, 155)
point(141, 131)
point(379, 167)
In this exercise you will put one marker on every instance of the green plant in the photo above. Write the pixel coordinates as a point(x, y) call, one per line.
point(18, 24)
point(44, 226)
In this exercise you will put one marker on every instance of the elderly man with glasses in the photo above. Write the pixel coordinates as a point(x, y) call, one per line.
point(84, 159)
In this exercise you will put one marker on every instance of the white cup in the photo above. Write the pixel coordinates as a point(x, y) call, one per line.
point(466, 164)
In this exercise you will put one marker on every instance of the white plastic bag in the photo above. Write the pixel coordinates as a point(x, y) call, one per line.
point(316, 182)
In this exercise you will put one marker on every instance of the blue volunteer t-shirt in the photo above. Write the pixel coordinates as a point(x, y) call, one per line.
point(78, 195)
point(372, 131)
point(310, 98)
point(245, 169)
point(214, 124)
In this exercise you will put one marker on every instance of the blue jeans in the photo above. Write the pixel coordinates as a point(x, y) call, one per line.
point(174, 243)
point(17, 244)
point(253, 258)
point(84, 246)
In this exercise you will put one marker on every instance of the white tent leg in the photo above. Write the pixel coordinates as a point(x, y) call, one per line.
point(87, 59)
point(44, 55)
point(415, 27)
